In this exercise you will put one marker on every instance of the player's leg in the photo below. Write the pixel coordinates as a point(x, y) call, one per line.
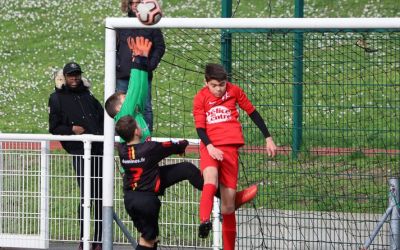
point(210, 175)
point(209, 168)
point(144, 244)
point(174, 173)
point(144, 208)
point(246, 195)
point(228, 217)
point(228, 182)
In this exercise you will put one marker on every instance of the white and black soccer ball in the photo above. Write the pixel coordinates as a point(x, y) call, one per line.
point(149, 12)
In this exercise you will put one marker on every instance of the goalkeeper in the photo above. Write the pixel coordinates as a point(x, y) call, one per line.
point(132, 103)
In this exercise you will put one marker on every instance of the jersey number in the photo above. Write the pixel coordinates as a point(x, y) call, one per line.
point(136, 174)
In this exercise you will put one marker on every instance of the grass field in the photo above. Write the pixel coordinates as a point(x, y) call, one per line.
point(39, 37)
point(344, 104)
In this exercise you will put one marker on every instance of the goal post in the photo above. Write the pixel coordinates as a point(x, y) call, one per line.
point(289, 24)
point(258, 23)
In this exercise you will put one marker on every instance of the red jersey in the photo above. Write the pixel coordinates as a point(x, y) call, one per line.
point(219, 116)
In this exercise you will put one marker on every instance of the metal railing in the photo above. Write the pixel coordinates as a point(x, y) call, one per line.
point(39, 196)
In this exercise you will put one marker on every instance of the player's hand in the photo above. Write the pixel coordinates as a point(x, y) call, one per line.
point(131, 44)
point(139, 46)
point(271, 147)
point(215, 153)
point(78, 130)
point(143, 45)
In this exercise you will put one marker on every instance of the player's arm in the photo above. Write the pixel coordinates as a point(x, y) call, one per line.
point(136, 95)
point(199, 115)
point(214, 152)
point(259, 121)
point(246, 105)
point(138, 82)
point(135, 100)
point(165, 149)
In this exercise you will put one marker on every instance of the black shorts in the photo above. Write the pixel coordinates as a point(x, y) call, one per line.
point(143, 208)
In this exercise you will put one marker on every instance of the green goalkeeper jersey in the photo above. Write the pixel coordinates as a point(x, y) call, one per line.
point(135, 100)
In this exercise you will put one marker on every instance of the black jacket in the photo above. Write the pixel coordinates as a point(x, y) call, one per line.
point(124, 54)
point(76, 107)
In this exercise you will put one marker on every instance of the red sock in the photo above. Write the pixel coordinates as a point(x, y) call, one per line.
point(229, 231)
point(206, 201)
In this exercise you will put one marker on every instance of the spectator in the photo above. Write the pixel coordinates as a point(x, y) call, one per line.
point(125, 57)
point(73, 110)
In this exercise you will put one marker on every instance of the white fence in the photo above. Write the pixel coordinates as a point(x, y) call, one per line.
point(39, 199)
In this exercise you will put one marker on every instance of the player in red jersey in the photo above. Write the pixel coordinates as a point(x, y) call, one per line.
point(144, 180)
point(216, 120)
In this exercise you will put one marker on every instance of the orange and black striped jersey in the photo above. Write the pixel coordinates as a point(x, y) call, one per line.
point(140, 163)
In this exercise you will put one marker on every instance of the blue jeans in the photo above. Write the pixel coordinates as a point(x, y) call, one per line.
point(122, 85)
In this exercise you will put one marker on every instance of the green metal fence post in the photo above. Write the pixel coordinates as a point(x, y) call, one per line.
point(298, 83)
point(226, 39)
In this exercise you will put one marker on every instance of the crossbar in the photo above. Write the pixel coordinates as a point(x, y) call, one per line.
point(263, 23)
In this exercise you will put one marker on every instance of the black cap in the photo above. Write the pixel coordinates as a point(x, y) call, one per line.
point(72, 67)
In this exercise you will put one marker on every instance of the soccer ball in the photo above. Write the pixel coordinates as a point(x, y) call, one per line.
point(149, 12)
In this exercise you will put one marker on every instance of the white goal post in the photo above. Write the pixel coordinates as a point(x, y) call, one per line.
point(196, 23)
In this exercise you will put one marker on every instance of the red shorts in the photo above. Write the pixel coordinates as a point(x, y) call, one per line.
point(227, 168)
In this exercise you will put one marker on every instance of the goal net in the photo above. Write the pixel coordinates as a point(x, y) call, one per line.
point(328, 90)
